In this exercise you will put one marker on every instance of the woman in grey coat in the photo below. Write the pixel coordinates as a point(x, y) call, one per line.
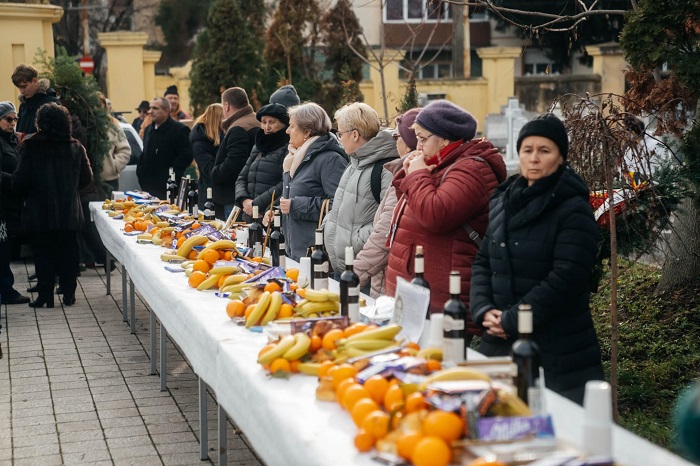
point(312, 170)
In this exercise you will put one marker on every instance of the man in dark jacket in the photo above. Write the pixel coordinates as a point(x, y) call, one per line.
point(166, 144)
point(239, 118)
point(33, 94)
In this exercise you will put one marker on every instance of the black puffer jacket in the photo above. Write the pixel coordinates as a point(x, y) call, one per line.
point(539, 249)
point(262, 174)
point(11, 204)
point(28, 107)
point(49, 175)
point(204, 152)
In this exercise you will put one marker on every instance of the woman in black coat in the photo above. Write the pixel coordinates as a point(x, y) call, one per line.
point(539, 249)
point(52, 168)
point(262, 174)
point(205, 137)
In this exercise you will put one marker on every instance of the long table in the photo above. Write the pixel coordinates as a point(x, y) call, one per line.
point(281, 417)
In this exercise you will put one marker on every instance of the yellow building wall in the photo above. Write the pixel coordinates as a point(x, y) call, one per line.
point(180, 77)
point(609, 63)
point(26, 28)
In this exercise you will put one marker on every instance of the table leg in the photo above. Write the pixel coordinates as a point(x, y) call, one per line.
point(163, 357)
point(222, 436)
point(152, 332)
point(132, 294)
point(203, 427)
point(108, 271)
point(124, 300)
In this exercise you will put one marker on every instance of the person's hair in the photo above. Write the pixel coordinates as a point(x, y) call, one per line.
point(165, 103)
point(211, 119)
point(236, 97)
point(311, 117)
point(103, 99)
point(23, 74)
point(360, 117)
point(54, 121)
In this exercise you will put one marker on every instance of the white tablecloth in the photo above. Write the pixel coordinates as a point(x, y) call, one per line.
point(281, 417)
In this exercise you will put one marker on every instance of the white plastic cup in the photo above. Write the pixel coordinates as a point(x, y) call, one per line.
point(304, 272)
point(597, 424)
point(436, 330)
point(118, 195)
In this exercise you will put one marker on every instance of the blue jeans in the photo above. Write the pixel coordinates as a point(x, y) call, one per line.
point(227, 210)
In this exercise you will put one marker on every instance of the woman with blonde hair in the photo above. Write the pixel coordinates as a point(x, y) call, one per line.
point(206, 136)
point(119, 151)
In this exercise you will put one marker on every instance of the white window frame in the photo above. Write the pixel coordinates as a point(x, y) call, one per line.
point(446, 18)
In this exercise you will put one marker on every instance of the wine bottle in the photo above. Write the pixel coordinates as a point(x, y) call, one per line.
point(277, 246)
point(320, 264)
point(454, 322)
point(192, 206)
point(255, 230)
point(418, 279)
point(209, 210)
point(350, 288)
point(171, 188)
point(526, 356)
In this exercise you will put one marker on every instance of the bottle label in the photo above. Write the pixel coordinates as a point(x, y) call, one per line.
point(453, 349)
point(354, 312)
point(321, 267)
point(208, 213)
point(283, 261)
point(450, 324)
point(354, 291)
point(419, 267)
point(195, 211)
point(283, 247)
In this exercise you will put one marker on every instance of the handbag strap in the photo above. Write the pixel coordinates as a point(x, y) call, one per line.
point(325, 207)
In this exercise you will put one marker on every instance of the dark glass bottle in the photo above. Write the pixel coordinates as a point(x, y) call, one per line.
point(526, 356)
point(454, 322)
point(171, 188)
point(418, 279)
point(255, 230)
point(192, 206)
point(209, 210)
point(320, 264)
point(350, 288)
point(277, 246)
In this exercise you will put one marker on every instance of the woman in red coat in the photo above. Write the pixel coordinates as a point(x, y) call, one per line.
point(444, 190)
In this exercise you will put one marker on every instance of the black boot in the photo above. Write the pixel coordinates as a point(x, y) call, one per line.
point(68, 300)
point(41, 300)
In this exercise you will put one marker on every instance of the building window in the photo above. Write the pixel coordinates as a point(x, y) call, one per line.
point(431, 71)
point(415, 11)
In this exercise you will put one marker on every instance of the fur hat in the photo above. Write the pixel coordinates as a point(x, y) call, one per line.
point(285, 95)
point(274, 110)
point(403, 126)
point(447, 120)
point(548, 126)
point(171, 90)
point(144, 105)
point(6, 108)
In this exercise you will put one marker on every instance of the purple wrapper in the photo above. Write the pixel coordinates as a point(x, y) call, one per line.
point(513, 428)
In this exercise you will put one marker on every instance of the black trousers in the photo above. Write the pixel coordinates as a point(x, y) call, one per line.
point(92, 249)
point(56, 253)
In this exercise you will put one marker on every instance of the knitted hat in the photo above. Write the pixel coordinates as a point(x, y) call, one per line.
point(171, 90)
point(403, 126)
point(447, 120)
point(285, 95)
point(144, 105)
point(274, 110)
point(6, 108)
point(548, 126)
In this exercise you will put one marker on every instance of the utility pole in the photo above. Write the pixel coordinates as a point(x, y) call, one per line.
point(86, 27)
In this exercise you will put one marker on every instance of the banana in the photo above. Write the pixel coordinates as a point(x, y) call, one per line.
point(216, 245)
point(273, 309)
point(300, 306)
point(365, 345)
point(129, 204)
point(187, 264)
point(285, 343)
point(162, 224)
point(209, 282)
point(224, 270)
point(234, 296)
point(238, 287)
point(387, 332)
point(168, 229)
point(453, 373)
point(144, 237)
point(316, 308)
point(302, 342)
point(431, 353)
point(155, 239)
point(260, 308)
point(169, 256)
point(189, 243)
point(309, 368)
point(319, 296)
point(351, 352)
point(155, 219)
point(234, 279)
point(188, 271)
point(510, 405)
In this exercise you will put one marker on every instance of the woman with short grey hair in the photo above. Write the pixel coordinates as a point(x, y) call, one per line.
point(312, 170)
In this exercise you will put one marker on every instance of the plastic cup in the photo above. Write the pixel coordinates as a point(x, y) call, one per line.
point(436, 331)
point(597, 424)
point(304, 272)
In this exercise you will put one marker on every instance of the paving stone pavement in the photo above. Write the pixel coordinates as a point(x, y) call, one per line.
point(74, 387)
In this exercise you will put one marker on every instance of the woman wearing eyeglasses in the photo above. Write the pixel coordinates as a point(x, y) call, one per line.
point(444, 190)
point(10, 206)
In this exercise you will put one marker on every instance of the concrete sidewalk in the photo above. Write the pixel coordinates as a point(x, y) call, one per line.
point(74, 387)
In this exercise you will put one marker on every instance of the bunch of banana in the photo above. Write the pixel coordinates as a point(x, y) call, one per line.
point(232, 283)
point(369, 341)
point(218, 224)
point(430, 353)
point(509, 404)
point(266, 309)
point(217, 245)
point(156, 238)
point(317, 303)
point(170, 255)
point(453, 373)
point(283, 345)
point(189, 243)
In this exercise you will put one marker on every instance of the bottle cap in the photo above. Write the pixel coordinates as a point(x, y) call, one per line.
point(255, 211)
point(349, 255)
point(209, 192)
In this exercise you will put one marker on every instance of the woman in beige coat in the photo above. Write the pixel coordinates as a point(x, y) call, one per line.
point(119, 152)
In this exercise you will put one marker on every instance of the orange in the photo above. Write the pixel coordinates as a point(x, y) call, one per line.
point(257, 259)
point(393, 398)
point(331, 337)
point(180, 240)
point(352, 395)
point(324, 368)
point(195, 225)
point(363, 441)
point(293, 274)
point(316, 343)
point(220, 283)
point(249, 310)
point(211, 256)
point(415, 402)
point(128, 227)
point(154, 230)
point(406, 443)
point(448, 426)
point(294, 365)
point(228, 255)
point(355, 328)
point(280, 365)
point(192, 255)
point(301, 292)
point(433, 365)
point(202, 266)
point(377, 387)
point(362, 408)
point(196, 278)
point(344, 371)
point(222, 255)
point(287, 311)
point(376, 424)
point(266, 348)
point(412, 345)
point(340, 389)
point(235, 308)
point(272, 287)
point(431, 451)
point(481, 461)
